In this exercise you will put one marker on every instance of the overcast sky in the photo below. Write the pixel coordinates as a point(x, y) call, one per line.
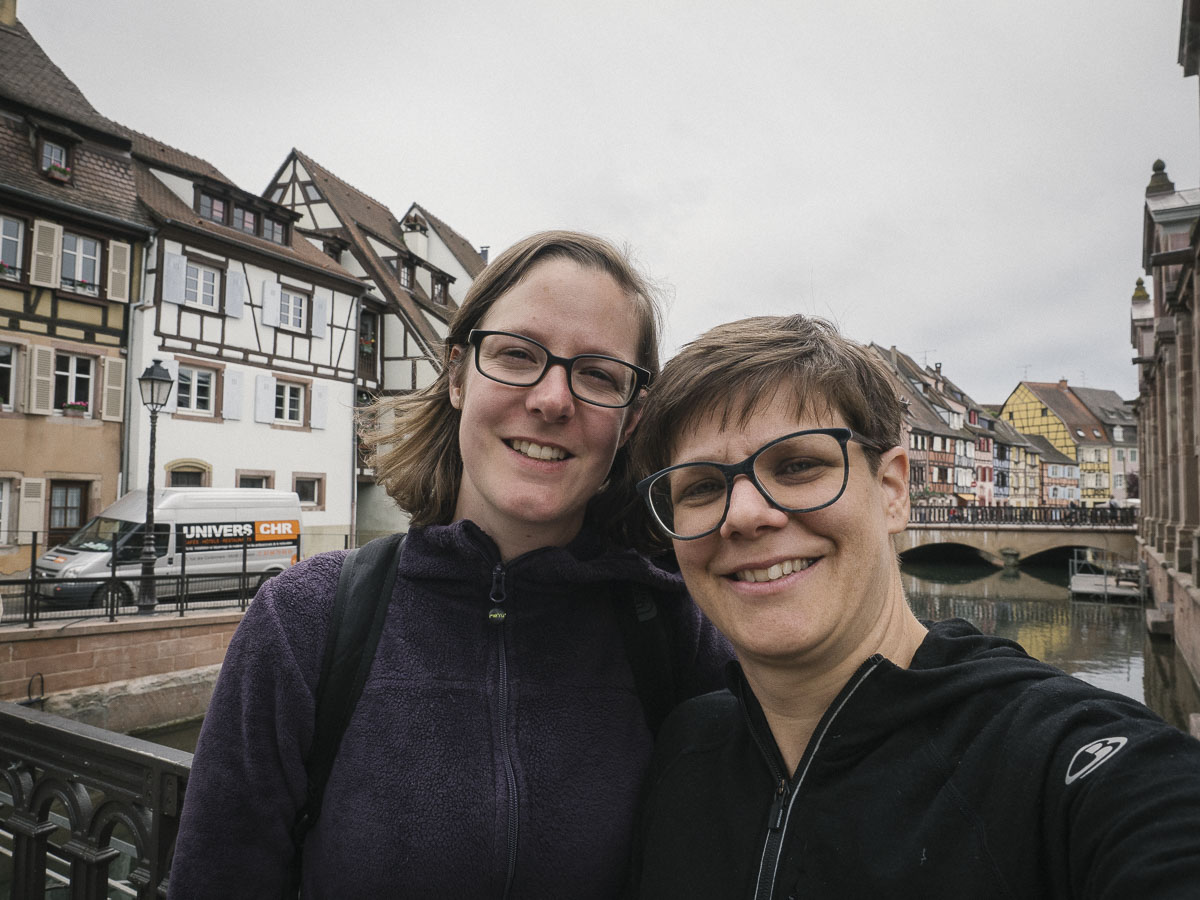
point(962, 180)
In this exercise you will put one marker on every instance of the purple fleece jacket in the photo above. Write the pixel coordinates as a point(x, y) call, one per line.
point(484, 759)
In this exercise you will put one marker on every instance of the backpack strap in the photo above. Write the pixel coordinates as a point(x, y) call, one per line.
point(648, 647)
point(359, 609)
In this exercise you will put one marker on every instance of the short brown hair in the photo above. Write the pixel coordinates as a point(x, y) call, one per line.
point(732, 369)
point(416, 456)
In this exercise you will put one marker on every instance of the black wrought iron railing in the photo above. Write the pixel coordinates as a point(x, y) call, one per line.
point(1060, 516)
point(89, 811)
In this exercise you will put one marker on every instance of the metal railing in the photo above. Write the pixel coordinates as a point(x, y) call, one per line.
point(1054, 516)
point(86, 809)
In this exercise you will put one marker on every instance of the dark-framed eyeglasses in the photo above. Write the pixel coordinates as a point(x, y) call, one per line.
point(800, 472)
point(519, 361)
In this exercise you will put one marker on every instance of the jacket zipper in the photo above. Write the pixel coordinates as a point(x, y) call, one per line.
point(497, 616)
point(786, 794)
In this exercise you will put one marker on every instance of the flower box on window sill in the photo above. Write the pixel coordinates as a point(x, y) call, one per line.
point(55, 172)
point(76, 410)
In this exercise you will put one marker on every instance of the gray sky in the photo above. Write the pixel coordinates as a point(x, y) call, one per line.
point(962, 180)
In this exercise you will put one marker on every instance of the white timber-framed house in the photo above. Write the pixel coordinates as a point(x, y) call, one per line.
point(414, 271)
point(259, 329)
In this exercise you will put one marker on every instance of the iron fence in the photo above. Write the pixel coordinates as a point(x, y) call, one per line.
point(85, 812)
point(1060, 516)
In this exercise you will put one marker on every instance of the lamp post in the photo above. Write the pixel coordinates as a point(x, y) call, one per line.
point(155, 385)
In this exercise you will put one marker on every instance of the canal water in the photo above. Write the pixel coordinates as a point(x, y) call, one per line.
point(1102, 643)
point(1105, 644)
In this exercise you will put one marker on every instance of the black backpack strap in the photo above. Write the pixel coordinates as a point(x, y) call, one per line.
point(359, 609)
point(649, 648)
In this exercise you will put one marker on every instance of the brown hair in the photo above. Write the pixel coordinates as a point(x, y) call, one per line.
point(731, 370)
point(413, 438)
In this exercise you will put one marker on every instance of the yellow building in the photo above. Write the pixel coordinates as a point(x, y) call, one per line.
point(1053, 411)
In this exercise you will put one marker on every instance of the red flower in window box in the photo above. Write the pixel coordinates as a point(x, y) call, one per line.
point(58, 173)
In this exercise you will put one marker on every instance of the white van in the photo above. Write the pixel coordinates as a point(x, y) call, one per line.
point(200, 531)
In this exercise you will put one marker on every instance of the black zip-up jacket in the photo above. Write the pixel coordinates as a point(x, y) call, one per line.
point(976, 772)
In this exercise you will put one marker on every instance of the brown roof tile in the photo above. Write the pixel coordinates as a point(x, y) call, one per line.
point(28, 77)
point(1059, 398)
point(464, 251)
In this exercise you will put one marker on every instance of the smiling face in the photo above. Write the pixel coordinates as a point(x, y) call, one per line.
point(534, 456)
point(797, 588)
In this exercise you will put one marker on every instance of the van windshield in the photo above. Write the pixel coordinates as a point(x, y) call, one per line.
point(99, 534)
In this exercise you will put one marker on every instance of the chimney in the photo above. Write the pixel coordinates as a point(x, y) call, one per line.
point(483, 251)
point(1159, 182)
point(8, 13)
point(1062, 384)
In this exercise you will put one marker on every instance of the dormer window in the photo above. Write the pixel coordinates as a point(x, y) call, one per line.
point(245, 220)
point(406, 276)
point(55, 163)
point(212, 208)
point(274, 231)
point(439, 292)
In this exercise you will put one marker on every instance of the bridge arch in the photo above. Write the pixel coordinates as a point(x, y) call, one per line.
point(1014, 545)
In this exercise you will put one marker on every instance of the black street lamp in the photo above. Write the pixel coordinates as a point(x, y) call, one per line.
point(155, 384)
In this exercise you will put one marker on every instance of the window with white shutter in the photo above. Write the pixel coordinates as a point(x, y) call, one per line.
point(119, 259)
point(264, 399)
point(47, 259)
point(112, 397)
point(40, 401)
point(271, 293)
point(231, 399)
point(173, 276)
point(235, 293)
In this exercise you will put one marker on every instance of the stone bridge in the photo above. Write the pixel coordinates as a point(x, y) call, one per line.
point(1008, 535)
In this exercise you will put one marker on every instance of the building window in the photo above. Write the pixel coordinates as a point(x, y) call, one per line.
point(255, 478)
point(68, 508)
point(53, 155)
point(245, 220)
point(406, 275)
point(80, 264)
point(1120, 455)
point(1132, 455)
point(12, 240)
point(289, 403)
point(1118, 481)
point(202, 286)
point(187, 478)
point(8, 356)
point(212, 208)
point(274, 231)
point(1118, 433)
point(439, 292)
point(292, 310)
point(195, 390)
point(72, 381)
point(310, 488)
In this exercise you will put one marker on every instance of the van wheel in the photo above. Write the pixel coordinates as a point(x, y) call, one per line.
point(100, 597)
point(264, 578)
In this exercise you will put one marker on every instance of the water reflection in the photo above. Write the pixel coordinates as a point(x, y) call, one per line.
point(1105, 644)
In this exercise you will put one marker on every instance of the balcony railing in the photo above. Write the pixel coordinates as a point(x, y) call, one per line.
point(84, 809)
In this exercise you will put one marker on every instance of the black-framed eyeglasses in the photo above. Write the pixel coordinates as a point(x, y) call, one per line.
point(800, 472)
point(519, 361)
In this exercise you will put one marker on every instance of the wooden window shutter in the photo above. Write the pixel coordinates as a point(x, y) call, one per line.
point(235, 294)
point(173, 274)
point(320, 405)
point(32, 513)
point(118, 271)
point(271, 295)
point(172, 367)
point(112, 401)
point(320, 312)
point(264, 399)
point(47, 254)
point(41, 381)
point(231, 400)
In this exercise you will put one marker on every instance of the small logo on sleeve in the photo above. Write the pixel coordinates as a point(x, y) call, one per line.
point(1090, 757)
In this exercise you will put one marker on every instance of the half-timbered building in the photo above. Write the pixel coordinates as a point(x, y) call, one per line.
point(71, 242)
point(260, 330)
point(415, 271)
